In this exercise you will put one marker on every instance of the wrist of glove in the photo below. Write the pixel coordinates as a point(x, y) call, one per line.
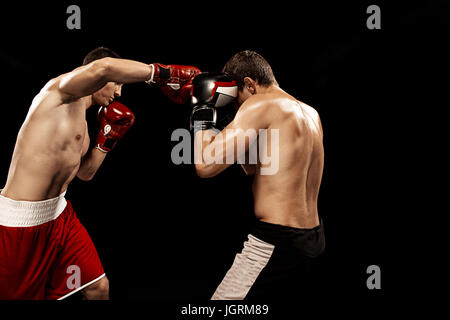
point(159, 71)
point(203, 117)
point(105, 142)
point(173, 76)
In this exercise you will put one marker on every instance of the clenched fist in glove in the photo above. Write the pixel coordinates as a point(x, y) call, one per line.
point(115, 120)
point(175, 81)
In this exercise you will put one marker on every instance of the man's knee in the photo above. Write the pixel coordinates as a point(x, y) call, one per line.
point(99, 290)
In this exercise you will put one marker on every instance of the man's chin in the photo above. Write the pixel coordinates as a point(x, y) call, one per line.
point(101, 101)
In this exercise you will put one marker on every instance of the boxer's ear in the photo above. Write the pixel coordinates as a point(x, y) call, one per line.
point(250, 85)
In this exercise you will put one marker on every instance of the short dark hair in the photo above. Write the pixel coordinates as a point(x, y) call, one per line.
point(248, 63)
point(98, 53)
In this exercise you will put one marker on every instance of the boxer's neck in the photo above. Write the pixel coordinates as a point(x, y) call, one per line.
point(266, 89)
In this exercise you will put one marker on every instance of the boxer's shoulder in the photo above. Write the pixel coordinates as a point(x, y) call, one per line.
point(262, 108)
point(50, 97)
point(53, 90)
point(258, 102)
point(287, 104)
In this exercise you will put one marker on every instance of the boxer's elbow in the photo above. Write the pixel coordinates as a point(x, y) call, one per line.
point(204, 171)
point(86, 175)
point(208, 171)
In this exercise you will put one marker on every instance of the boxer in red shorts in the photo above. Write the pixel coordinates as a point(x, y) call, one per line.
point(45, 252)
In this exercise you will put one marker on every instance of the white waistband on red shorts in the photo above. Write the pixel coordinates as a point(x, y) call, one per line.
point(15, 213)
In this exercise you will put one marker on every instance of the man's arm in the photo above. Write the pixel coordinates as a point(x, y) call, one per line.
point(115, 120)
point(233, 142)
point(90, 164)
point(87, 79)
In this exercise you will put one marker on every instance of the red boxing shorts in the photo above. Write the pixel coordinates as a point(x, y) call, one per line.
point(45, 252)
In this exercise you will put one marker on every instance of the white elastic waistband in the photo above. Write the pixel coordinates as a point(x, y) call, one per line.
point(15, 213)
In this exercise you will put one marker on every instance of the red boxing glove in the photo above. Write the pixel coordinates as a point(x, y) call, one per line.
point(175, 81)
point(179, 96)
point(115, 120)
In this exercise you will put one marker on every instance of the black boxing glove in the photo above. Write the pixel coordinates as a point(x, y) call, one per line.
point(211, 92)
point(206, 117)
point(225, 115)
point(203, 117)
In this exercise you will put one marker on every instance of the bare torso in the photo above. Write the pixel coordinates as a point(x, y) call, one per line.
point(49, 147)
point(289, 197)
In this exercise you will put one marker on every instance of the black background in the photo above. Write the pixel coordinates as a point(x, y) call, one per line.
point(165, 234)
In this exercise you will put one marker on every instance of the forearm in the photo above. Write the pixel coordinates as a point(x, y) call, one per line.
point(87, 79)
point(210, 153)
point(126, 71)
point(90, 164)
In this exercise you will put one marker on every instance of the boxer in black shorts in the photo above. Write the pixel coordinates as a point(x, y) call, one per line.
point(287, 173)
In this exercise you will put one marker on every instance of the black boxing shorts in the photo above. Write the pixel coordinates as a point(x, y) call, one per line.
point(276, 263)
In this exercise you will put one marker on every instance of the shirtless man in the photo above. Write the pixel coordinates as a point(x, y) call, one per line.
point(45, 252)
point(288, 235)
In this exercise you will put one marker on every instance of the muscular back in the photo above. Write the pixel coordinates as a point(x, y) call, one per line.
point(289, 197)
point(285, 191)
point(49, 146)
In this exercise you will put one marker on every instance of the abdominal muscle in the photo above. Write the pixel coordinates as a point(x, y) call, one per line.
point(41, 180)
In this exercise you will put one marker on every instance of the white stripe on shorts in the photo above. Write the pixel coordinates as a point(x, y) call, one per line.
point(246, 268)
